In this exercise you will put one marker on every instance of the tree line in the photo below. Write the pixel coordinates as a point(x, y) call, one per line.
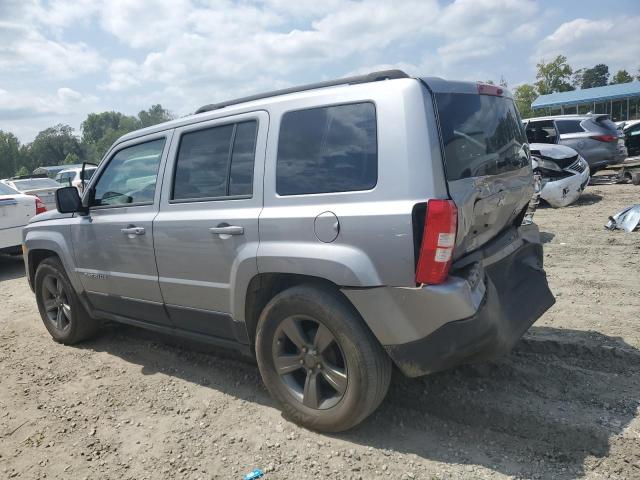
point(559, 76)
point(60, 145)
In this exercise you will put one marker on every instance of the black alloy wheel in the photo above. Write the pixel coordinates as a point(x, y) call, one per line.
point(310, 362)
point(56, 303)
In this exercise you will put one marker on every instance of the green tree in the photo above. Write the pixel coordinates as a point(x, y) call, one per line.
point(554, 76)
point(100, 130)
point(52, 145)
point(576, 78)
point(524, 95)
point(156, 114)
point(22, 171)
point(71, 159)
point(597, 76)
point(9, 154)
point(621, 76)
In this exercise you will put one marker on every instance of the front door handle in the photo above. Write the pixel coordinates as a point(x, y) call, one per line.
point(224, 229)
point(131, 230)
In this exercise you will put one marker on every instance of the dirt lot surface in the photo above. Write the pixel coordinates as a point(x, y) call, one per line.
point(131, 404)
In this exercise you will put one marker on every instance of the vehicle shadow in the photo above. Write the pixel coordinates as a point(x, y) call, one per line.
point(556, 402)
point(586, 199)
point(546, 237)
point(11, 267)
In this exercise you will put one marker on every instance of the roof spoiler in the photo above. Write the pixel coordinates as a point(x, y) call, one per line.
point(368, 78)
point(27, 177)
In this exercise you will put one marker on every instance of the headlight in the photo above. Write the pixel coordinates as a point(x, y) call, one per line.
point(548, 165)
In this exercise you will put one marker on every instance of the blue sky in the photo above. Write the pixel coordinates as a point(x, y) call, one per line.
point(60, 60)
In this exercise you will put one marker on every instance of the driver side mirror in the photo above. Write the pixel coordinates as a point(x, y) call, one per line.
point(68, 200)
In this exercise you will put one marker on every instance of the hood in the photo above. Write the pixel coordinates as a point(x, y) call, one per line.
point(49, 215)
point(552, 151)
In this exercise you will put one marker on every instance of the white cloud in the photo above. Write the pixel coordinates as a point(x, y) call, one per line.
point(221, 47)
point(586, 43)
point(59, 14)
point(17, 103)
point(60, 59)
point(144, 24)
point(122, 73)
point(25, 47)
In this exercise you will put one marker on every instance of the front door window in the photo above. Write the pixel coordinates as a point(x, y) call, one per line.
point(130, 177)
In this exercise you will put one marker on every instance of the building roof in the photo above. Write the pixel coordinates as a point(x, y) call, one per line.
point(608, 92)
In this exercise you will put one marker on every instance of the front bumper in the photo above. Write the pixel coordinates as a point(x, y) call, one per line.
point(563, 192)
point(515, 294)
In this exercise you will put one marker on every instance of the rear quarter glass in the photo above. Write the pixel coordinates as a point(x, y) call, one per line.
point(482, 135)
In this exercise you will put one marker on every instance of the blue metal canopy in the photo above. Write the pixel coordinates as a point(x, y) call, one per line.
point(588, 95)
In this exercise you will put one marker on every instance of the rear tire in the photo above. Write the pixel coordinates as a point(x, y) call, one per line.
point(332, 371)
point(62, 313)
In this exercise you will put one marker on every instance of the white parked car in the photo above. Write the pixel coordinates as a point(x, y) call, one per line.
point(70, 177)
point(15, 211)
point(39, 185)
point(564, 174)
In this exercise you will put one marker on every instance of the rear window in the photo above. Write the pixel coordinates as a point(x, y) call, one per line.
point(482, 135)
point(328, 149)
point(35, 183)
point(606, 123)
point(569, 126)
point(6, 190)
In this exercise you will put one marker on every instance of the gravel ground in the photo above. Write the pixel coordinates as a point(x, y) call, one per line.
point(132, 404)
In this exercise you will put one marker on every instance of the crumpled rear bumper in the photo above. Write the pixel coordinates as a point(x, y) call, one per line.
point(517, 294)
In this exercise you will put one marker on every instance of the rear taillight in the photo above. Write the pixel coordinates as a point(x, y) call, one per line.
point(488, 89)
point(40, 206)
point(438, 240)
point(605, 138)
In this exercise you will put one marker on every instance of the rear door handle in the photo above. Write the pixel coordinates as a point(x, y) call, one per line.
point(131, 230)
point(227, 230)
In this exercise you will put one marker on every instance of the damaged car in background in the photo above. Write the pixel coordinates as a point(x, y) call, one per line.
point(564, 174)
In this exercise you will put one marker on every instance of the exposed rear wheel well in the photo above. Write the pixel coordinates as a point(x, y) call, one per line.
point(265, 286)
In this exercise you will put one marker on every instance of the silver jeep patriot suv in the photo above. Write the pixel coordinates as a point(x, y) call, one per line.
point(332, 230)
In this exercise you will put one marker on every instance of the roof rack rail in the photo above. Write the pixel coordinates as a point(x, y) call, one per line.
point(370, 77)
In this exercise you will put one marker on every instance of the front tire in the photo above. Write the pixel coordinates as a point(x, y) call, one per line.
point(318, 359)
point(62, 313)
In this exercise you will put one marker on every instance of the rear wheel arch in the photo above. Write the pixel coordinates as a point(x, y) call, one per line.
point(265, 286)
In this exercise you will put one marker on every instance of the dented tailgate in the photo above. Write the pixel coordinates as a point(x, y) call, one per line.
point(486, 158)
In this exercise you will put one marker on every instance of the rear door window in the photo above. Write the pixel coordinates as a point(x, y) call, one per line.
point(482, 135)
point(216, 162)
point(327, 149)
point(569, 126)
